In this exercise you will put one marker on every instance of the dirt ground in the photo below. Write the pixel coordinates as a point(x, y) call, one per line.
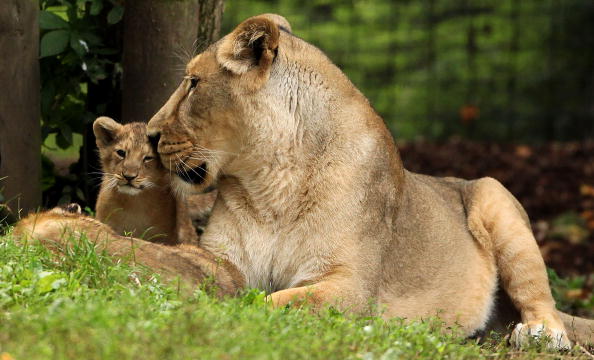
point(554, 182)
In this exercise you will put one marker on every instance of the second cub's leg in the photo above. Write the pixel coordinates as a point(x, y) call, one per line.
point(498, 222)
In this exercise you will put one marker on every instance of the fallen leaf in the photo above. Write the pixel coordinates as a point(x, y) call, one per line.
point(574, 293)
point(523, 151)
point(586, 190)
point(6, 356)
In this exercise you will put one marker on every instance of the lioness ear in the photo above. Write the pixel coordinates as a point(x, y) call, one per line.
point(105, 130)
point(250, 47)
point(283, 24)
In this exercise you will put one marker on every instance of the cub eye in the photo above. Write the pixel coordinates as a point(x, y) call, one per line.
point(193, 81)
point(148, 158)
point(121, 153)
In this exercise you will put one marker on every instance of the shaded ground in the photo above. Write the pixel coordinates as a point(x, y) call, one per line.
point(554, 182)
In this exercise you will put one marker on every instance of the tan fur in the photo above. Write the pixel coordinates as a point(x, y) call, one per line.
point(58, 227)
point(145, 206)
point(315, 205)
point(314, 202)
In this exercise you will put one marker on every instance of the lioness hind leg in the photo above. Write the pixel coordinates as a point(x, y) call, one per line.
point(498, 222)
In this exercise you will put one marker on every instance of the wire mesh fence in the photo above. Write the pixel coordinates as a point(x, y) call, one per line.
point(504, 70)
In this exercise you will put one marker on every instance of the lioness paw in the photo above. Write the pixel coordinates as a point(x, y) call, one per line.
point(526, 334)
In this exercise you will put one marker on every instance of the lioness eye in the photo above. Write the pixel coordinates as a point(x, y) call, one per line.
point(121, 153)
point(193, 81)
point(148, 158)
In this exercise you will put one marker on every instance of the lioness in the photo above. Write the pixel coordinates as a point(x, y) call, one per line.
point(135, 195)
point(57, 228)
point(314, 203)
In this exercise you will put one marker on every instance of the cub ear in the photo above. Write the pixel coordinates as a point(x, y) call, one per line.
point(251, 46)
point(105, 130)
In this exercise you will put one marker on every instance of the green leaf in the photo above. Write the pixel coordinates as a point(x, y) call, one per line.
point(49, 281)
point(91, 38)
point(51, 21)
point(54, 43)
point(115, 14)
point(96, 7)
point(64, 137)
point(77, 44)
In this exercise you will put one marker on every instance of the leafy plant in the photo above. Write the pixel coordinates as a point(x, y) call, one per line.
point(574, 294)
point(74, 52)
point(80, 62)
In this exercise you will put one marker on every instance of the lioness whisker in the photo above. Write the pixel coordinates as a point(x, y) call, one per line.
point(190, 168)
point(203, 158)
point(202, 148)
point(182, 167)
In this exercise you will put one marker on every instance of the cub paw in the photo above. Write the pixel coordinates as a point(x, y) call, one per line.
point(526, 334)
point(72, 208)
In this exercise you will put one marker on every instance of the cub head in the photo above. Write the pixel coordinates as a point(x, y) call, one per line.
point(218, 109)
point(128, 159)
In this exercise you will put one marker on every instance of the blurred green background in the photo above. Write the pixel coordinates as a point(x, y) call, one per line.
point(503, 70)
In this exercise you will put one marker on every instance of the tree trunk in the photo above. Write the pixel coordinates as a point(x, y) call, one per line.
point(209, 23)
point(20, 132)
point(159, 38)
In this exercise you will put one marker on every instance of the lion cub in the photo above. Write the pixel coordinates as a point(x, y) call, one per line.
point(57, 228)
point(135, 196)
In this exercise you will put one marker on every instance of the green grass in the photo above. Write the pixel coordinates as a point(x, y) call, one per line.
point(82, 305)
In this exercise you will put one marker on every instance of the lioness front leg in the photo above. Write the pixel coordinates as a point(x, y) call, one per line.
point(499, 223)
point(295, 296)
point(326, 292)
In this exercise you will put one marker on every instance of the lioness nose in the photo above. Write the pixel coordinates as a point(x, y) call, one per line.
point(129, 177)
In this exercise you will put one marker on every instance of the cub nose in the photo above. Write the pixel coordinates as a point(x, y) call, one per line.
point(154, 138)
point(129, 177)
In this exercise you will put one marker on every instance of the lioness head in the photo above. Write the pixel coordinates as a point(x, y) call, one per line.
point(208, 118)
point(127, 157)
point(249, 96)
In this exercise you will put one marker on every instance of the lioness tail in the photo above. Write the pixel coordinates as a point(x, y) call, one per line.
point(579, 330)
